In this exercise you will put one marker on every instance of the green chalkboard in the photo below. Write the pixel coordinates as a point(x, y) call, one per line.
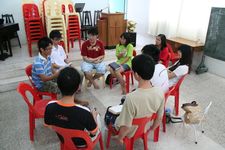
point(215, 39)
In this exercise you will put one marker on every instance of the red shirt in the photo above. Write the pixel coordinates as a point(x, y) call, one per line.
point(164, 56)
point(92, 51)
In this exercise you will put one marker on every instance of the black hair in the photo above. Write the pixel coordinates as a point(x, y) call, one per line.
point(163, 41)
point(151, 50)
point(185, 57)
point(68, 81)
point(144, 66)
point(55, 34)
point(126, 36)
point(93, 31)
point(44, 43)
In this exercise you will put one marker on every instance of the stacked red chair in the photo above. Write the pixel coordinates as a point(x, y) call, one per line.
point(73, 30)
point(33, 25)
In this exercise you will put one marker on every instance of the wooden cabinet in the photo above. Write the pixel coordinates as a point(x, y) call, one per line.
point(110, 27)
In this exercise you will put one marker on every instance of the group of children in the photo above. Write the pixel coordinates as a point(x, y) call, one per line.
point(51, 71)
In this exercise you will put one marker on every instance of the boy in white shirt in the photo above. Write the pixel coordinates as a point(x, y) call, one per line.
point(58, 55)
point(160, 76)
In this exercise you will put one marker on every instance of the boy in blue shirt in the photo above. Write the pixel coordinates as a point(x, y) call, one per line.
point(42, 73)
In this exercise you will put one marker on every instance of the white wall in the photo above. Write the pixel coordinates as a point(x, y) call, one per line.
point(138, 11)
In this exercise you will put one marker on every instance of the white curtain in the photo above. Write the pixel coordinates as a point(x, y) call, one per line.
point(180, 18)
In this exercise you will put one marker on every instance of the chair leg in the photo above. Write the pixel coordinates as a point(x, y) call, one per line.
point(110, 82)
point(132, 78)
point(68, 46)
point(145, 140)
point(30, 49)
point(128, 144)
point(156, 134)
point(79, 43)
point(127, 76)
point(108, 138)
point(101, 142)
point(177, 103)
point(31, 126)
point(196, 138)
point(72, 43)
point(164, 122)
point(18, 39)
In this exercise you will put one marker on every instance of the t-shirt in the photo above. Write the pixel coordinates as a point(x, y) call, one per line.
point(128, 53)
point(71, 117)
point(164, 56)
point(41, 65)
point(160, 78)
point(140, 103)
point(58, 56)
point(92, 51)
point(179, 71)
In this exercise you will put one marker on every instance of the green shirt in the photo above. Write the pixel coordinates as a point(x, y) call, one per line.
point(129, 53)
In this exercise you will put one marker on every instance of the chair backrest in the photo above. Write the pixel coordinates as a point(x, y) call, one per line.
point(141, 123)
point(97, 16)
point(205, 112)
point(68, 134)
point(86, 18)
point(167, 94)
point(30, 11)
point(207, 108)
point(28, 71)
point(8, 18)
point(63, 9)
point(177, 85)
point(23, 88)
point(70, 8)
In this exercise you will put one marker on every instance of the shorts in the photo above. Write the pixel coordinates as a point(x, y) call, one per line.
point(88, 67)
point(50, 86)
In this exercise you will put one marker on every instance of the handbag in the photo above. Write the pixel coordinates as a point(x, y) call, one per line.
point(110, 118)
point(193, 112)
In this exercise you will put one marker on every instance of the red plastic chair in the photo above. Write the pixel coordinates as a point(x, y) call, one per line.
point(68, 134)
point(128, 74)
point(140, 133)
point(173, 56)
point(36, 110)
point(28, 71)
point(175, 92)
point(167, 94)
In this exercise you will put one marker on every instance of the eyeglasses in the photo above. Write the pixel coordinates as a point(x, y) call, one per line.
point(48, 48)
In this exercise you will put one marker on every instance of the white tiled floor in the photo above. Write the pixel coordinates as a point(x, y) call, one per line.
point(202, 88)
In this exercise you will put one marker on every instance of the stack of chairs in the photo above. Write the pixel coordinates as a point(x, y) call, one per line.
point(72, 24)
point(33, 24)
point(54, 19)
